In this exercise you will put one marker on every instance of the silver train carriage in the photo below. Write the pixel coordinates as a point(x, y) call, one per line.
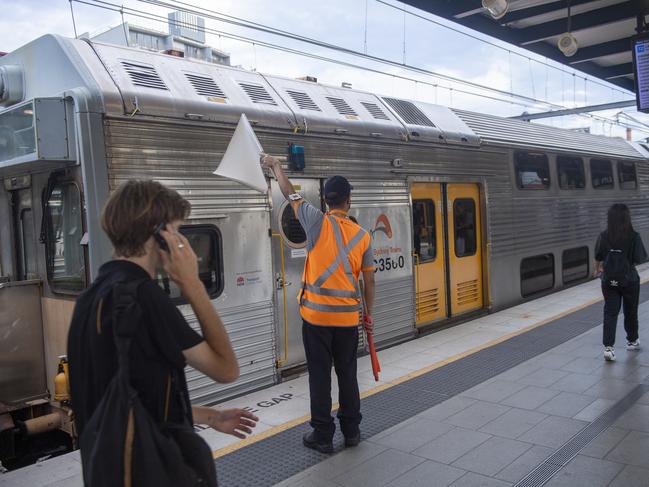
point(469, 213)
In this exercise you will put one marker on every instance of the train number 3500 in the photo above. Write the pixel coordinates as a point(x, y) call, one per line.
point(389, 264)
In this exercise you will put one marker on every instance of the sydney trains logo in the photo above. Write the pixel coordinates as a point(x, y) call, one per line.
point(382, 225)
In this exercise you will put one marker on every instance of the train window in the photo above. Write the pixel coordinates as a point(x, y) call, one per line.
point(464, 226)
point(571, 172)
point(532, 170)
point(537, 274)
point(207, 243)
point(423, 215)
point(626, 175)
point(601, 174)
point(292, 228)
point(574, 264)
point(62, 238)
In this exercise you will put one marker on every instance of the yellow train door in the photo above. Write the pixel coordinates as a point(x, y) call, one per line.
point(429, 248)
point(464, 247)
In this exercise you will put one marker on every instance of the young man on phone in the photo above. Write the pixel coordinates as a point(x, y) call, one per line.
point(338, 251)
point(164, 342)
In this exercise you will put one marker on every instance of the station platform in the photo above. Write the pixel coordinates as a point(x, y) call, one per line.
point(519, 397)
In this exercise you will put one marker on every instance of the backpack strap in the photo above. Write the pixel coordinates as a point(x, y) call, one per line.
point(126, 317)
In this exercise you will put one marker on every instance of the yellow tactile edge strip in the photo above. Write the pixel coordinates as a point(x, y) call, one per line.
point(302, 419)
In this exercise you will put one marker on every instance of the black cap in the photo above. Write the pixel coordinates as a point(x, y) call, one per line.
point(337, 189)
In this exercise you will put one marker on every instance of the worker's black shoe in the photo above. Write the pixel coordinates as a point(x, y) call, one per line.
point(310, 441)
point(353, 440)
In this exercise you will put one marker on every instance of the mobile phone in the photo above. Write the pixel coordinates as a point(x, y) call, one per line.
point(159, 238)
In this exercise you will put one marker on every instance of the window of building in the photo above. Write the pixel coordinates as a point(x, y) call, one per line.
point(532, 170)
point(62, 225)
point(571, 172)
point(425, 238)
point(626, 175)
point(574, 264)
point(464, 224)
point(601, 174)
point(292, 228)
point(537, 274)
point(207, 243)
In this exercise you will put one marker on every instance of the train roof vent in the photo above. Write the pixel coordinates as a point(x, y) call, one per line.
point(144, 75)
point(257, 93)
point(341, 106)
point(303, 100)
point(375, 110)
point(409, 112)
point(205, 86)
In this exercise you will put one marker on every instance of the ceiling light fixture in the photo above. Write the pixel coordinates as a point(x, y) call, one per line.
point(497, 8)
point(567, 43)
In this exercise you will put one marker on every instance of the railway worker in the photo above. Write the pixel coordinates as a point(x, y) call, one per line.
point(163, 342)
point(338, 250)
point(618, 249)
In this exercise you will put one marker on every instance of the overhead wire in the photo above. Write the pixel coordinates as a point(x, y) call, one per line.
point(157, 18)
point(192, 9)
point(219, 16)
point(493, 44)
point(224, 17)
point(523, 100)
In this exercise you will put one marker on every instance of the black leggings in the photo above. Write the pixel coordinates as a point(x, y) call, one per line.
point(626, 297)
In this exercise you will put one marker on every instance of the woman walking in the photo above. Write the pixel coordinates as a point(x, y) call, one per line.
point(619, 248)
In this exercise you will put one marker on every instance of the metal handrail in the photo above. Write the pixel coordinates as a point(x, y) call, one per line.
point(281, 252)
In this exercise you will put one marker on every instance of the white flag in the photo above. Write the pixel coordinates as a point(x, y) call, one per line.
point(241, 159)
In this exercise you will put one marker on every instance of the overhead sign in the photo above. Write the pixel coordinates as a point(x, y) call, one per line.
point(641, 71)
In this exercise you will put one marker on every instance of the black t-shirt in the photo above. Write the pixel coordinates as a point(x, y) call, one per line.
point(156, 354)
point(633, 250)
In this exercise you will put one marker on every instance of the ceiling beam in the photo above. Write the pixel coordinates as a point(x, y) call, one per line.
point(575, 111)
point(461, 8)
point(589, 53)
point(488, 26)
point(546, 8)
point(619, 71)
point(594, 18)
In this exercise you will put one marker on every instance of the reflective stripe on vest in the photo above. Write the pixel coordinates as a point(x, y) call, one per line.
point(341, 259)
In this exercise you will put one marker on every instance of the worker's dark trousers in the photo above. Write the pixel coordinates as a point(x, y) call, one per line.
point(627, 297)
point(324, 344)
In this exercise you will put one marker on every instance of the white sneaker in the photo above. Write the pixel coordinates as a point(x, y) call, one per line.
point(633, 345)
point(609, 354)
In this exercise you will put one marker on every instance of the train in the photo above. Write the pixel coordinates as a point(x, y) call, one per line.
point(469, 213)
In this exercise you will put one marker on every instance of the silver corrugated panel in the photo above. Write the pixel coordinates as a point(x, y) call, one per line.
point(394, 311)
point(504, 131)
point(183, 157)
point(250, 329)
point(383, 208)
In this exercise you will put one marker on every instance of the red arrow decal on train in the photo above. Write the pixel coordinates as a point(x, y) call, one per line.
point(383, 225)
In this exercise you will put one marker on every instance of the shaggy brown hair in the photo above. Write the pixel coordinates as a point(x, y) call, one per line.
point(134, 210)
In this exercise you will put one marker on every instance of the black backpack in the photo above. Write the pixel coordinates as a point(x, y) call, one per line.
point(617, 267)
point(122, 445)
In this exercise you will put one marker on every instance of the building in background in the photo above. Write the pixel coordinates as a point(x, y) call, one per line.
point(186, 35)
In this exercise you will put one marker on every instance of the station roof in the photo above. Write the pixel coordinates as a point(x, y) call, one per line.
point(603, 29)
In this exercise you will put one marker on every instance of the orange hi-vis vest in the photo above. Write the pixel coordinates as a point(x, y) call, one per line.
point(330, 294)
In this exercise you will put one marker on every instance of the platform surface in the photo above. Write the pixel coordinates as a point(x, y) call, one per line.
point(518, 397)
